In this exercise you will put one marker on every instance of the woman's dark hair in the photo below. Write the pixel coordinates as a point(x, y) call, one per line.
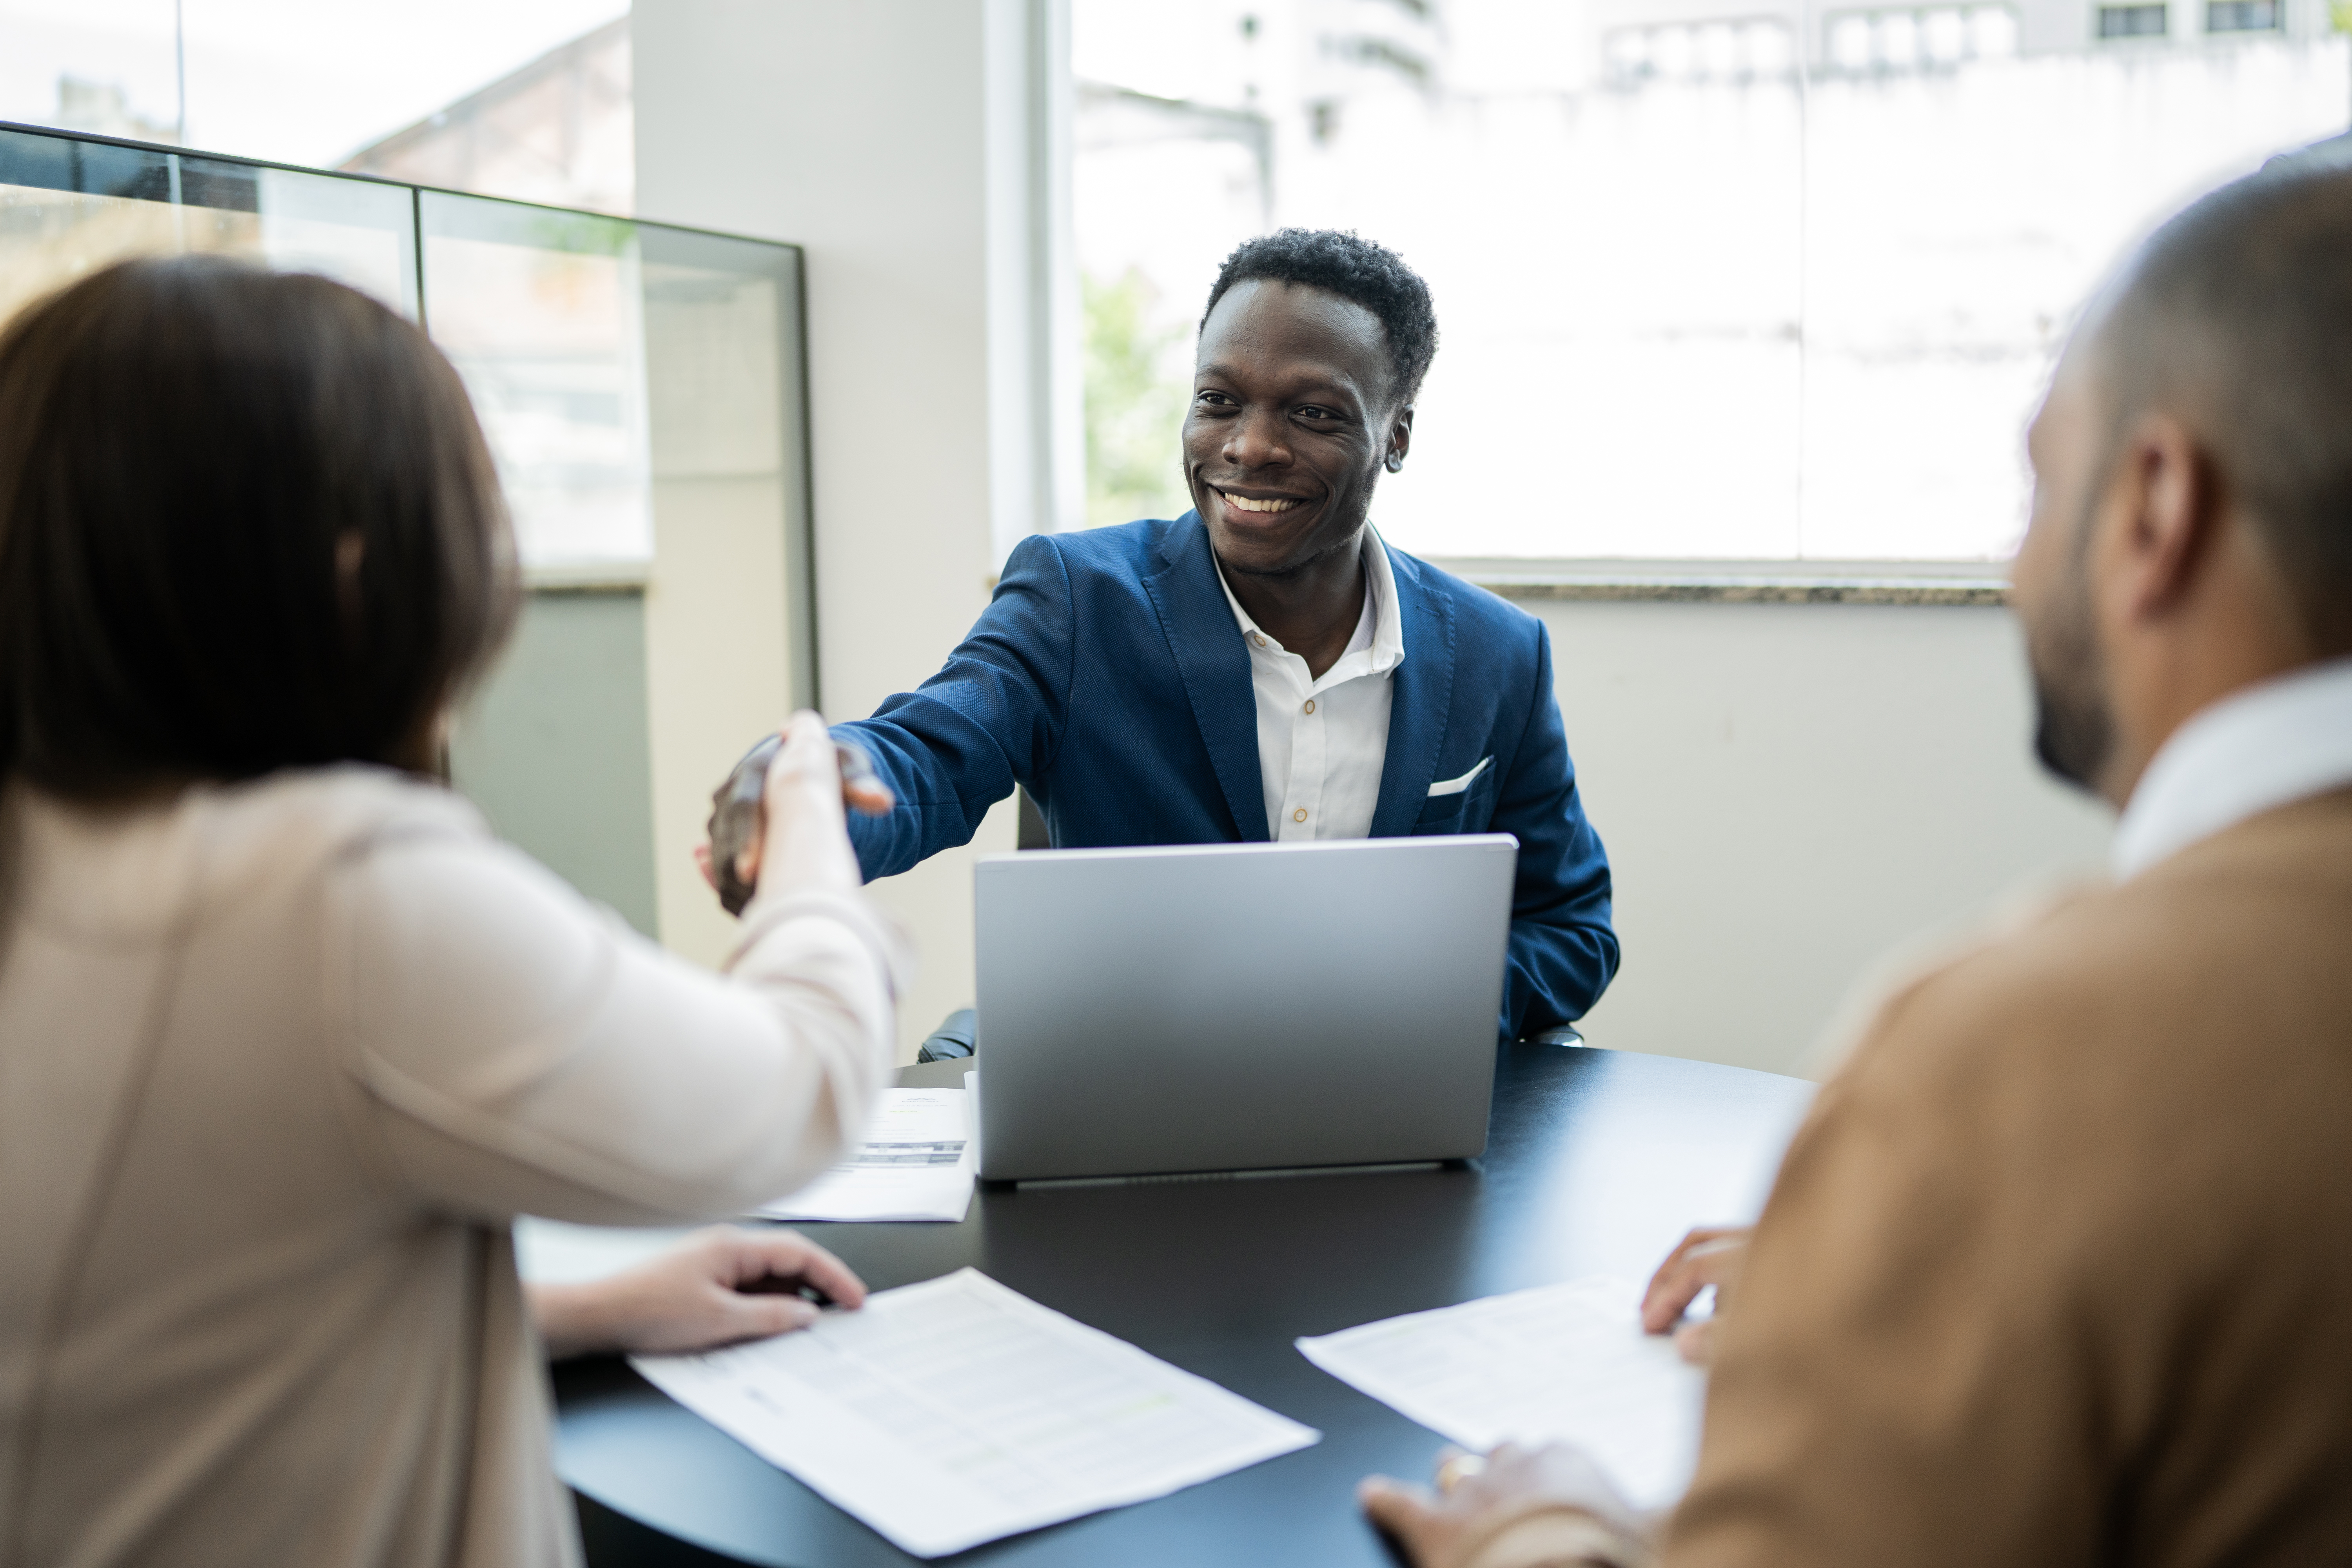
point(247, 521)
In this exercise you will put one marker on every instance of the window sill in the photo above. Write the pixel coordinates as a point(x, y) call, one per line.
point(1738, 582)
point(588, 577)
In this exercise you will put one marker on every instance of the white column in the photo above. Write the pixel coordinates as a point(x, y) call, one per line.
point(1036, 418)
point(907, 145)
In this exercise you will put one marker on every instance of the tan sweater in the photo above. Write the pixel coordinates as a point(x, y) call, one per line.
point(278, 1064)
point(2059, 1270)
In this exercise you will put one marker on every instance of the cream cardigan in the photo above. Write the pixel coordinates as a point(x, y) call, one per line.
point(278, 1062)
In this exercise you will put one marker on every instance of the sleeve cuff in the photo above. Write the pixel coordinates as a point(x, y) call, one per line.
point(881, 934)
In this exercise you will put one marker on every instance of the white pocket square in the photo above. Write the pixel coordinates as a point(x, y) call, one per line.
point(1455, 787)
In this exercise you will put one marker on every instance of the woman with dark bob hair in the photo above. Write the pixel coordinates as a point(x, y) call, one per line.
point(287, 1038)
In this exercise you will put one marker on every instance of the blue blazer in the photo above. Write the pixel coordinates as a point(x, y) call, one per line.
point(1108, 679)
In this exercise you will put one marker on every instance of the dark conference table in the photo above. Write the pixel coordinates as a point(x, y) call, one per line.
point(1596, 1163)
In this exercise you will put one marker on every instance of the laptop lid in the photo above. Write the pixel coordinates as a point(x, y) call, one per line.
point(1243, 1007)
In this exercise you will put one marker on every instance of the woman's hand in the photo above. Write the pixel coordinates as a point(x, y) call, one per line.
point(715, 1287)
point(809, 787)
point(1478, 1499)
point(803, 822)
point(1707, 1256)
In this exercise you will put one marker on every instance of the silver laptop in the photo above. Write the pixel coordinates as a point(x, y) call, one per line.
point(1243, 1006)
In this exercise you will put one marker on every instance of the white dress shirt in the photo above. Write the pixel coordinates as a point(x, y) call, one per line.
point(1321, 744)
point(2267, 746)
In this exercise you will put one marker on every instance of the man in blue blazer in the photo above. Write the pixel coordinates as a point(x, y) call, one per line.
point(1265, 667)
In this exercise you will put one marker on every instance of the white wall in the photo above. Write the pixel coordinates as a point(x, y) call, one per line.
point(862, 133)
point(1788, 794)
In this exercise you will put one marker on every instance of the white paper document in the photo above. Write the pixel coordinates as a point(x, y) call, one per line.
point(916, 1161)
point(1560, 1363)
point(956, 1410)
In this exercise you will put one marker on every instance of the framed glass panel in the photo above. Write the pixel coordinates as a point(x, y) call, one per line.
point(629, 377)
point(636, 381)
point(643, 390)
point(70, 205)
point(726, 405)
point(541, 311)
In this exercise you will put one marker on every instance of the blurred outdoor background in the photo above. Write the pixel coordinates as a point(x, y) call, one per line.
point(1734, 278)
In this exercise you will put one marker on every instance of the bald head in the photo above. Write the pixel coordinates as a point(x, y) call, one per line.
point(2236, 318)
point(2191, 533)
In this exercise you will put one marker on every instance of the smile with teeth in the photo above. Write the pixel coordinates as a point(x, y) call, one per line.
point(1244, 503)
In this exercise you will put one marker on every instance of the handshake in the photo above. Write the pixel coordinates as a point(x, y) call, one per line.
point(740, 807)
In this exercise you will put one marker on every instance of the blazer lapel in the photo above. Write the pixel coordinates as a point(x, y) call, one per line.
point(1216, 668)
point(1417, 707)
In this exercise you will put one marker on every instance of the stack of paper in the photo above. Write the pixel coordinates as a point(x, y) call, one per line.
point(956, 1411)
point(915, 1163)
point(1563, 1363)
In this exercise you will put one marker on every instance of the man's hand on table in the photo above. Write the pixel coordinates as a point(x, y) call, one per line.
point(1515, 1508)
point(716, 1288)
point(1533, 1508)
point(1711, 1255)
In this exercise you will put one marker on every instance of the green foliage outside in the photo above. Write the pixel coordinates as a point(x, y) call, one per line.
point(1134, 407)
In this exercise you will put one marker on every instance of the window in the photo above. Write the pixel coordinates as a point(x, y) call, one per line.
point(1923, 39)
point(2131, 21)
point(1769, 281)
point(2244, 16)
point(1739, 50)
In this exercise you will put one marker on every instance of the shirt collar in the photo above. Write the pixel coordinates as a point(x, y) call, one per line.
point(1380, 605)
point(2269, 745)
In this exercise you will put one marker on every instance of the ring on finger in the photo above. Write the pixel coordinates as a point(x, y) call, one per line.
point(1457, 1470)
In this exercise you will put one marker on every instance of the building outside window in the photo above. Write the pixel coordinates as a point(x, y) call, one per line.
point(1918, 39)
point(1717, 279)
point(2244, 16)
point(525, 99)
point(543, 316)
point(2132, 21)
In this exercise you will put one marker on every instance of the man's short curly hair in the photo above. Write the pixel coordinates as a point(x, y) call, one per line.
point(1354, 269)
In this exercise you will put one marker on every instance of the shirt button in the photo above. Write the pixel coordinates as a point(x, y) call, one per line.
point(1258, 638)
point(1310, 705)
point(1298, 815)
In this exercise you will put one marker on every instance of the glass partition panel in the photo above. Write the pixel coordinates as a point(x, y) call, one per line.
point(637, 382)
point(541, 311)
point(722, 321)
point(630, 377)
point(68, 206)
point(642, 389)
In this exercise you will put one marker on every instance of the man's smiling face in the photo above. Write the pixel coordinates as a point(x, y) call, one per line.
point(1293, 415)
